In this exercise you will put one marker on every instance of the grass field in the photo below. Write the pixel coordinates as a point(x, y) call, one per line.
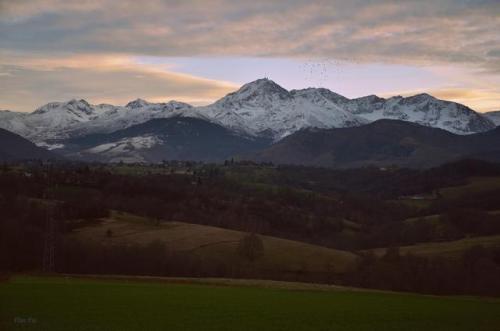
point(217, 245)
point(33, 303)
point(446, 248)
point(475, 184)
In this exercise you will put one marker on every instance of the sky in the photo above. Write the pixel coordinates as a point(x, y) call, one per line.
point(197, 51)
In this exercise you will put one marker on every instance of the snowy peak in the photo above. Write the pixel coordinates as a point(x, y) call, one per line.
point(74, 106)
point(175, 105)
point(60, 120)
point(261, 86)
point(263, 108)
point(145, 105)
point(317, 94)
point(493, 116)
point(137, 103)
point(423, 109)
point(260, 92)
point(258, 108)
point(372, 98)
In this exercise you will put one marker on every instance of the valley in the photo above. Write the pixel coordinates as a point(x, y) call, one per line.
point(352, 227)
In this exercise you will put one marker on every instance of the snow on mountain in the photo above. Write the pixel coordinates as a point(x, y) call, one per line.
point(60, 120)
point(135, 112)
point(57, 119)
point(125, 149)
point(422, 109)
point(13, 122)
point(264, 108)
point(53, 120)
point(259, 108)
point(494, 116)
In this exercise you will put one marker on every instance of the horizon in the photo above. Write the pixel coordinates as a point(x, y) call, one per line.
point(188, 51)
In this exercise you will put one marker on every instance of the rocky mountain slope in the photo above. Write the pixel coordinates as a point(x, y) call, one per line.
point(494, 116)
point(60, 120)
point(261, 108)
point(422, 109)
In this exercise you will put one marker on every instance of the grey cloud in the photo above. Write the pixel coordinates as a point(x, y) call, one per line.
point(423, 31)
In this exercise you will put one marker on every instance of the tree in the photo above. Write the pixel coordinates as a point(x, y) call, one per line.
point(391, 255)
point(251, 247)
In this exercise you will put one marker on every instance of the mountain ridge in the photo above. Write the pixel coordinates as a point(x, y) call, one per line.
point(175, 138)
point(381, 143)
point(260, 108)
point(494, 116)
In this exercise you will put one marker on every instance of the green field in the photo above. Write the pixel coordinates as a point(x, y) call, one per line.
point(33, 303)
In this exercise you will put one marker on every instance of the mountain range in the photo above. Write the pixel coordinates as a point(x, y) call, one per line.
point(245, 122)
point(259, 108)
point(15, 148)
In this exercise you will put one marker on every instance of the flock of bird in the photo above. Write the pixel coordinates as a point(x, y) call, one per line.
point(320, 72)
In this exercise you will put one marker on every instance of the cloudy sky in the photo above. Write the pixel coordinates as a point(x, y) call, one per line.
point(197, 51)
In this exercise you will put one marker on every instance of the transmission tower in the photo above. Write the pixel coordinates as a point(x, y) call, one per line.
point(49, 245)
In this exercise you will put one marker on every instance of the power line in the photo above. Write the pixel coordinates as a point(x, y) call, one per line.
point(49, 245)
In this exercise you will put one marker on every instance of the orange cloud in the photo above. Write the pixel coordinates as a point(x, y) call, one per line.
point(29, 82)
point(482, 100)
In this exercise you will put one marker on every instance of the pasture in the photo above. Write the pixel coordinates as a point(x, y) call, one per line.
point(66, 303)
point(216, 245)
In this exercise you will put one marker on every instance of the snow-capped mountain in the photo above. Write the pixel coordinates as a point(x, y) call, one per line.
point(57, 119)
point(260, 108)
point(263, 108)
point(51, 121)
point(139, 111)
point(176, 138)
point(61, 120)
point(13, 122)
point(494, 116)
point(422, 109)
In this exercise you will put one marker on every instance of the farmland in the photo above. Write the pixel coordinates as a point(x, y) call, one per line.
point(62, 303)
point(451, 249)
point(215, 245)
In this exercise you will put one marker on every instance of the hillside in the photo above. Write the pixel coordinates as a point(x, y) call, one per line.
point(177, 138)
point(16, 148)
point(382, 143)
point(453, 249)
point(217, 246)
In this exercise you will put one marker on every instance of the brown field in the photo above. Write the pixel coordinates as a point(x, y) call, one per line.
point(214, 244)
